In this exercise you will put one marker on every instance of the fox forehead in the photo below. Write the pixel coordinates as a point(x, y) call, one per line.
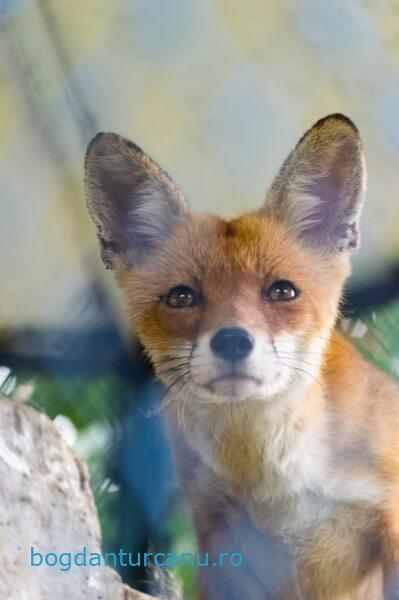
point(230, 263)
point(227, 255)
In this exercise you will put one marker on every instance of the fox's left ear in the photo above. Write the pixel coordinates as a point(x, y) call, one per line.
point(320, 189)
point(134, 203)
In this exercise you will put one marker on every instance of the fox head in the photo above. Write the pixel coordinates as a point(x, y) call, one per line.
point(239, 309)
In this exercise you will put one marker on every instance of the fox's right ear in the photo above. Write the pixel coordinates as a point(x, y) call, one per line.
point(132, 201)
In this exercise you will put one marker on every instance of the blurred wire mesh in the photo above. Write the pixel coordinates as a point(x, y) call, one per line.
point(217, 91)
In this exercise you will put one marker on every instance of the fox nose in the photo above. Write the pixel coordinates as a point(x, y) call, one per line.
point(232, 343)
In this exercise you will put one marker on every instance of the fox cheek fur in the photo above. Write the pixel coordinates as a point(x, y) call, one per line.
point(238, 319)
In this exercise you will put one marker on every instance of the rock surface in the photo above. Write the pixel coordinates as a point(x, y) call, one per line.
point(46, 504)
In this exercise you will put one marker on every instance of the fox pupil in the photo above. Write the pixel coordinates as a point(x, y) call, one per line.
point(180, 297)
point(281, 291)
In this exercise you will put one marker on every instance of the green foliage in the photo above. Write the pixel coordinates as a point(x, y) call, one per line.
point(376, 335)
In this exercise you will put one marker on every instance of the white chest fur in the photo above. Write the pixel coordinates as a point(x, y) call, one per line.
point(279, 461)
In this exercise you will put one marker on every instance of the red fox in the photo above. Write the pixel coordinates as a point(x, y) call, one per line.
point(285, 440)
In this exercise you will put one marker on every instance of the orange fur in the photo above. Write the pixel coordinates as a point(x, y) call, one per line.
point(302, 475)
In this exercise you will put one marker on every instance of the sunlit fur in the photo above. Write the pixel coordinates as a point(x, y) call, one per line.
point(294, 461)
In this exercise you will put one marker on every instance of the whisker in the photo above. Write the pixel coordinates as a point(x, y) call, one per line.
point(170, 359)
point(176, 381)
point(309, 375)
point(326, 339)
point(292, 352)
point(173, 369)
point(300, 360)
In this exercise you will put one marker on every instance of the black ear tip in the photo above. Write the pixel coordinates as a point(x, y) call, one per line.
point(337, 117)
point(100, 138)
point(93, 144)
point(97, 138)
point(99, 144)
point(105, 142)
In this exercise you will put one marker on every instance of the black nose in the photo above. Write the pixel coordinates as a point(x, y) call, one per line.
point(232, 343)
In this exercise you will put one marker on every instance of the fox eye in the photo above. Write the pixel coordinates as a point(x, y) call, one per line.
point(281, 291)
point(180, 297)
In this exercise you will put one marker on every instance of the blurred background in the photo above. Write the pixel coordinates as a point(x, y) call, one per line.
point(218, 91)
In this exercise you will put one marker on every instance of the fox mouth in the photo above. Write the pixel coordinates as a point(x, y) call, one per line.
point(231, 379)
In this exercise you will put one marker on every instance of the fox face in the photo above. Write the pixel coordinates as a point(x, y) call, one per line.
point(240, 309)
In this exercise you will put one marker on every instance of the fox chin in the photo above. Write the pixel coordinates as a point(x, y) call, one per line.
point(285, 440)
